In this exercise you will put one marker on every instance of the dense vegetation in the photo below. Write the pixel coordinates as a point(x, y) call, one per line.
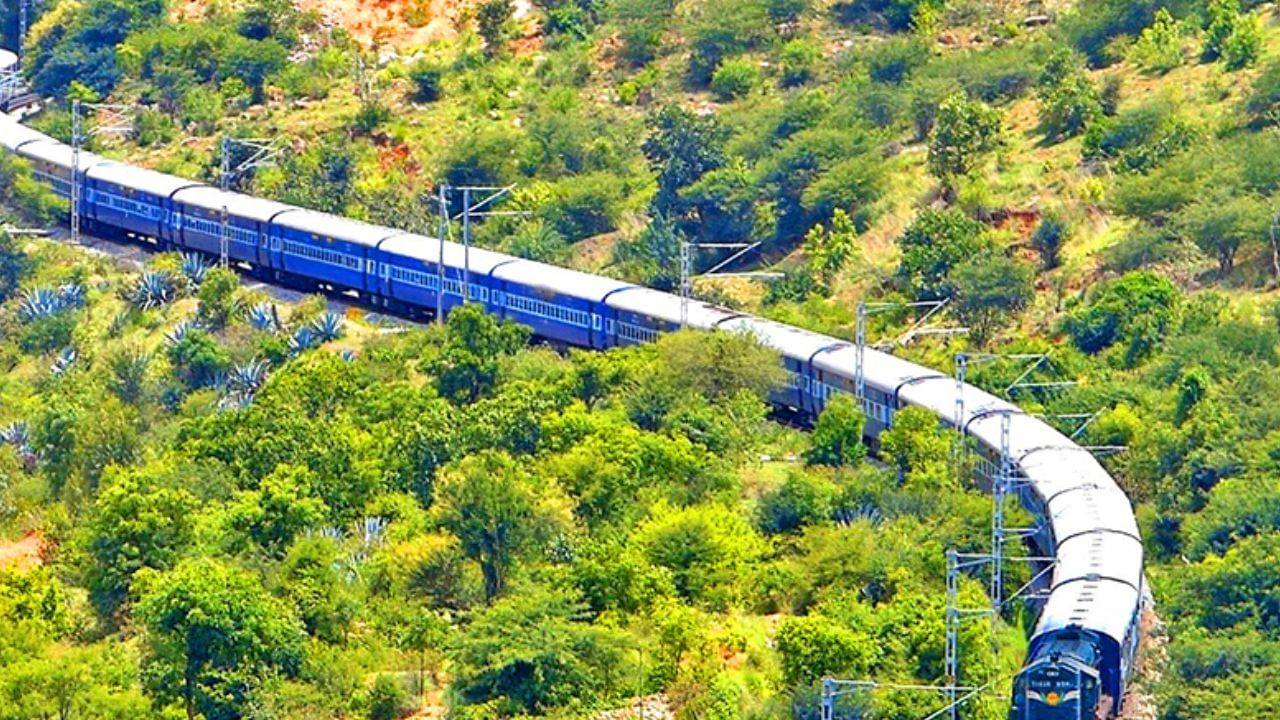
point(552, 535)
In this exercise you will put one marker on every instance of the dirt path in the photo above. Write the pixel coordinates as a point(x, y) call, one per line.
point(23, 554)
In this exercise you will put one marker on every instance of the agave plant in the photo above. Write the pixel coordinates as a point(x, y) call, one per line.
point(39, 303)
point(302, 340)
point(180, 331)
point(372, 532)
point(348, 355)
point(152, 289)
point(128, 378)
point(328, 327)
point(64, 361)
point(118, 324)
point(265, 317)
point(247, 379)
point(865, 512)
point(194, 268)
point(72, 295)
point(16, 434)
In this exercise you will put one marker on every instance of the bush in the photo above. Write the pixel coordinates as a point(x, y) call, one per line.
point(895, 15)
point(801, 500)
point(1116, 309)
point(1048, 239)
point(387, 699)
point(783, 11)
point(837, 437)
point(1263, 104)
point(720, 29)
point(585, 206)
point(990, 287)
point(1094, 25)
point(892, 61)
point(735, 78)
point(426, 77)
point(932, 245)
point(798, 59)
point(1244, 46)
point(1159, 48)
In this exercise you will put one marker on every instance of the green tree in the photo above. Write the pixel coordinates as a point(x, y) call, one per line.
point(830, 248)
point(918, 448)
point(1221, 19)
point(253, 62)
point(989, 288)
point(14, 265)
point(279, 510)
point(491, 22)
point(217, 297)
point(1115, 310)
point(707, 549)
point(1048, 240)
point(1221, 226)
point(213, 635)
point(135, 523)
point(527, 655)
point(491, 503)
point(815, 647)
point(1244, 46)
point(198, 359)
point(467, 366)
point(312, 581)
point(681, 147)
point(964, 131)
point(1069, 100)
point(801, 500)
point(934, 244)
point(837, 437)
point(1159, 47)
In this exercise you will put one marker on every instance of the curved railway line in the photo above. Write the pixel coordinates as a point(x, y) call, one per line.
point(1087, 633)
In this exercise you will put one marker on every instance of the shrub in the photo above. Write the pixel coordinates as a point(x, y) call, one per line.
point(801, 500)
point(1117, 307)
point(585, 206)
point(964, 131)
point(1069, 100)
point(198, 359)
point(387, 699)
point(734, 79)
point(837, 437)
point(1159, 48)
point(782, 11)
point(1244, 46)
point(491, 21)
point(936, 242)
point(426, 77)
point(1221, 18)
point(1048, 239)
point(892, 61)
point(990, 287)
point(799, 58)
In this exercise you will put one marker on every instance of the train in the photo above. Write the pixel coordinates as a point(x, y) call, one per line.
point(1085, 638)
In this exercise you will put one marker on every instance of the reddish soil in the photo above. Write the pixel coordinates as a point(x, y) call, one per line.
point(23, 554)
